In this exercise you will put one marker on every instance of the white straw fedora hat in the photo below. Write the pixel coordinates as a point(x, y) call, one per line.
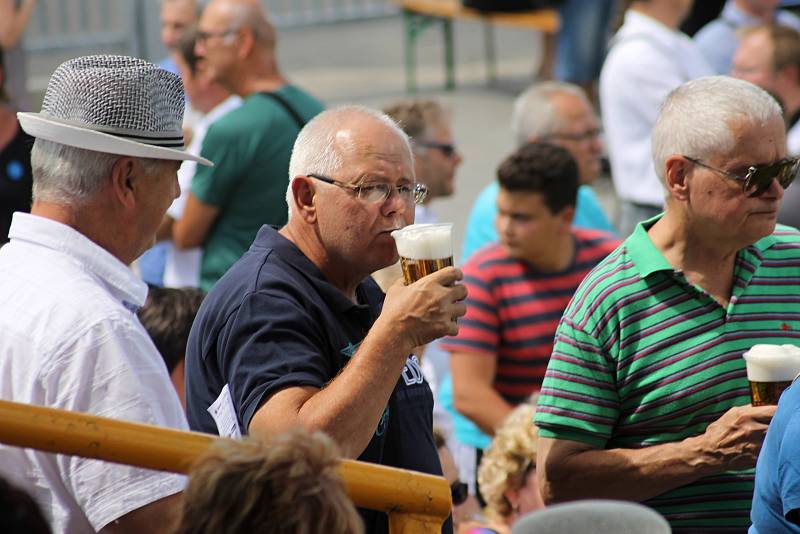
point(113, 104)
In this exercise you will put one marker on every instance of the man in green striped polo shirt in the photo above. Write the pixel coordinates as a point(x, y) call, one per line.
point(646, 396)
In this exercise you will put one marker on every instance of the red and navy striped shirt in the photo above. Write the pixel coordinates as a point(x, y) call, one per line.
point(513, 310)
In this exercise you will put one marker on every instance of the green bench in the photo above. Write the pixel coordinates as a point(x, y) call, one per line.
point(418, 15)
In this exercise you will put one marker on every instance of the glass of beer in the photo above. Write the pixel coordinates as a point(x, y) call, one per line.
point(424, 249)
point(770, 370)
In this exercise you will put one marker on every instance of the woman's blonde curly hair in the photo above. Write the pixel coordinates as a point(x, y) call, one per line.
point(509, 457)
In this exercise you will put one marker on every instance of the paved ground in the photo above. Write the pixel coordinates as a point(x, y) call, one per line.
point(362, 62)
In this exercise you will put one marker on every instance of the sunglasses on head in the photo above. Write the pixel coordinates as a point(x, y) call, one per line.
point(758, 178)
point(459, 491)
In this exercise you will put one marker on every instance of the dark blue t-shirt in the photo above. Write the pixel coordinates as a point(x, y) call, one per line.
point(272, 322)
point(777, 489)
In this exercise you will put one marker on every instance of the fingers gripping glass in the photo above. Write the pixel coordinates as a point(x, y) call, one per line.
point(758, 178)
point(379, 192)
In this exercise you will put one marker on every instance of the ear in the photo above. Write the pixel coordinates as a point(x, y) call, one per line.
point(123, 181)
point(567, 215)
point(304, 195)
point(248, 41)
point(676, 170)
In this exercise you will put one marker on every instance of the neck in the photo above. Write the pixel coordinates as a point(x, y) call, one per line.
point(259, 75)
point(791, 104)
point(560, 255)
point(8, 125)
point(337, 272)
point(704, 259)
point(666, 15)
point(89, 220)
point(763, 13)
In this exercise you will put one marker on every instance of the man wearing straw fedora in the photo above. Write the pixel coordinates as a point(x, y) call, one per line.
point(107, 150)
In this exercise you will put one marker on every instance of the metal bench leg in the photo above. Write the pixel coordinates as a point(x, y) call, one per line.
point(410, 26)
point(491, 54)
point(449, 55)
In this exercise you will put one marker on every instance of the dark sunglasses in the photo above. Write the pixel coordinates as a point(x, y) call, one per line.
point(758, 178)
point(447, 149)
point(459, 491)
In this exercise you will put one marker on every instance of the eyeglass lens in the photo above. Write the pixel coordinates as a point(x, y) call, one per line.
point(760, 177)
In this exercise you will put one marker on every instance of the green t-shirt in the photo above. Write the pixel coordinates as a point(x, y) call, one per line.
point(643, 357)
point(250, 148)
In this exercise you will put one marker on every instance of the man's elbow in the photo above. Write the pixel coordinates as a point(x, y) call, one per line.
point(464, 403)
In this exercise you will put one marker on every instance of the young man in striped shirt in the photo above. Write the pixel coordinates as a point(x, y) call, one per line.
point(518, 288)
point(646, 395)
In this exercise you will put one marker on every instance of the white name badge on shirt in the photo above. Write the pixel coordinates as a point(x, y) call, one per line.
point(225, 415)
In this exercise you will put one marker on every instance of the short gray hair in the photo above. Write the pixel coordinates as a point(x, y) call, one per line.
point(68, 175)
point(534, 114)
point(696, 118)
point(315, 151)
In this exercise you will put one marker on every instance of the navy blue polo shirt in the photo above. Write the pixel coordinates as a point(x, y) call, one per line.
point(272, 322)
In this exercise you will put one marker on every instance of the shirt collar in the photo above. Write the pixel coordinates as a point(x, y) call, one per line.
point(648, 259)
point(295, 257)
point(636, 23)
point(120, 281)
point(643, 252)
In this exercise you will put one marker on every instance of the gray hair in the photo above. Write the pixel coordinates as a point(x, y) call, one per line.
point(696, 118)
point(68, 175)
point(315, 150)
point(534, 114)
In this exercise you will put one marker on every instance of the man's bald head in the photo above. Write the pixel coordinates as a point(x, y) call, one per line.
point(248, 14)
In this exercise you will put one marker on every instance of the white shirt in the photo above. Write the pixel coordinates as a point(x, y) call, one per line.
point(70, 339)
point(182, 268)
point(647, 61)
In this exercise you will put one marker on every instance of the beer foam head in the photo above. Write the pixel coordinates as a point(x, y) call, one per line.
point(425, 241)
point(772, 363)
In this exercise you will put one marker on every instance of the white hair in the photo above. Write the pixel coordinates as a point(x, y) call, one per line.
point(315, 150)
point(68, 175)
point(696, 118)
point(534, 114)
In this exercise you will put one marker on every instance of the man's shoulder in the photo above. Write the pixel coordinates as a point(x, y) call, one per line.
point(594, 237)
point(488, 258)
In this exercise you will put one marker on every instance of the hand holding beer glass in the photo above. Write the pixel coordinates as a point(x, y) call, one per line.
point(424, 249)
point(770, 370)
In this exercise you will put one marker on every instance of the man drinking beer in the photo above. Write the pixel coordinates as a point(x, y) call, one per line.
point(646, 395)
point(296, 333)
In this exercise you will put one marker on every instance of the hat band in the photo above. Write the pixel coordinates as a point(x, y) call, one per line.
point(163, 139)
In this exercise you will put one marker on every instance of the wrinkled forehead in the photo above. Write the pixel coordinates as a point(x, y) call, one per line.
point(374, 147)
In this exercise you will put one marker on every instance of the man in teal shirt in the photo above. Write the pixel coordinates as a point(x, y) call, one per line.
point(250, 146)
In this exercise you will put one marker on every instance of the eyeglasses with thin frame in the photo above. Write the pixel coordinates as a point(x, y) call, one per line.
point(459, 491)
point(448, 150)
point(202, 37)
point(758, 178)
point(377, 193)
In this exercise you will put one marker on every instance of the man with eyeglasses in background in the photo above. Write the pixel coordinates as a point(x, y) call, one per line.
point(559, 113)
point(250, 146)
point(646, 396)
point(297, 333)
point(436, 158)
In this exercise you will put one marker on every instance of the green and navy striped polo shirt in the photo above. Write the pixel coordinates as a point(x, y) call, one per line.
point(642, 357)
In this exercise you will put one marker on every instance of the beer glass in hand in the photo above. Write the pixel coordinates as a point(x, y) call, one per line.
point(770, 370)
point(424, 249)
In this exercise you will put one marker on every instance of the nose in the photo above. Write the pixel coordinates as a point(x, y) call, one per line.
point(200, 47)
point(395, 205)
point(775, 190)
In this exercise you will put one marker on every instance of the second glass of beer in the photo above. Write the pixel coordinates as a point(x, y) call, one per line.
point(770, 370)
point(424, 249)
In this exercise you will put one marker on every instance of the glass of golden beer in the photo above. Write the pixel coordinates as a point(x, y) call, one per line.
point(770, 370)
point(424, 249)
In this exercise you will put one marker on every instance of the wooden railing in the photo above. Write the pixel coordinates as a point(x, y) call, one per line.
point(416, 503)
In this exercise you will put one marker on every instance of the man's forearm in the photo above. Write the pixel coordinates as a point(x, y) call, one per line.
point(350, 407)
point(626, 474)
point(483, 406)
